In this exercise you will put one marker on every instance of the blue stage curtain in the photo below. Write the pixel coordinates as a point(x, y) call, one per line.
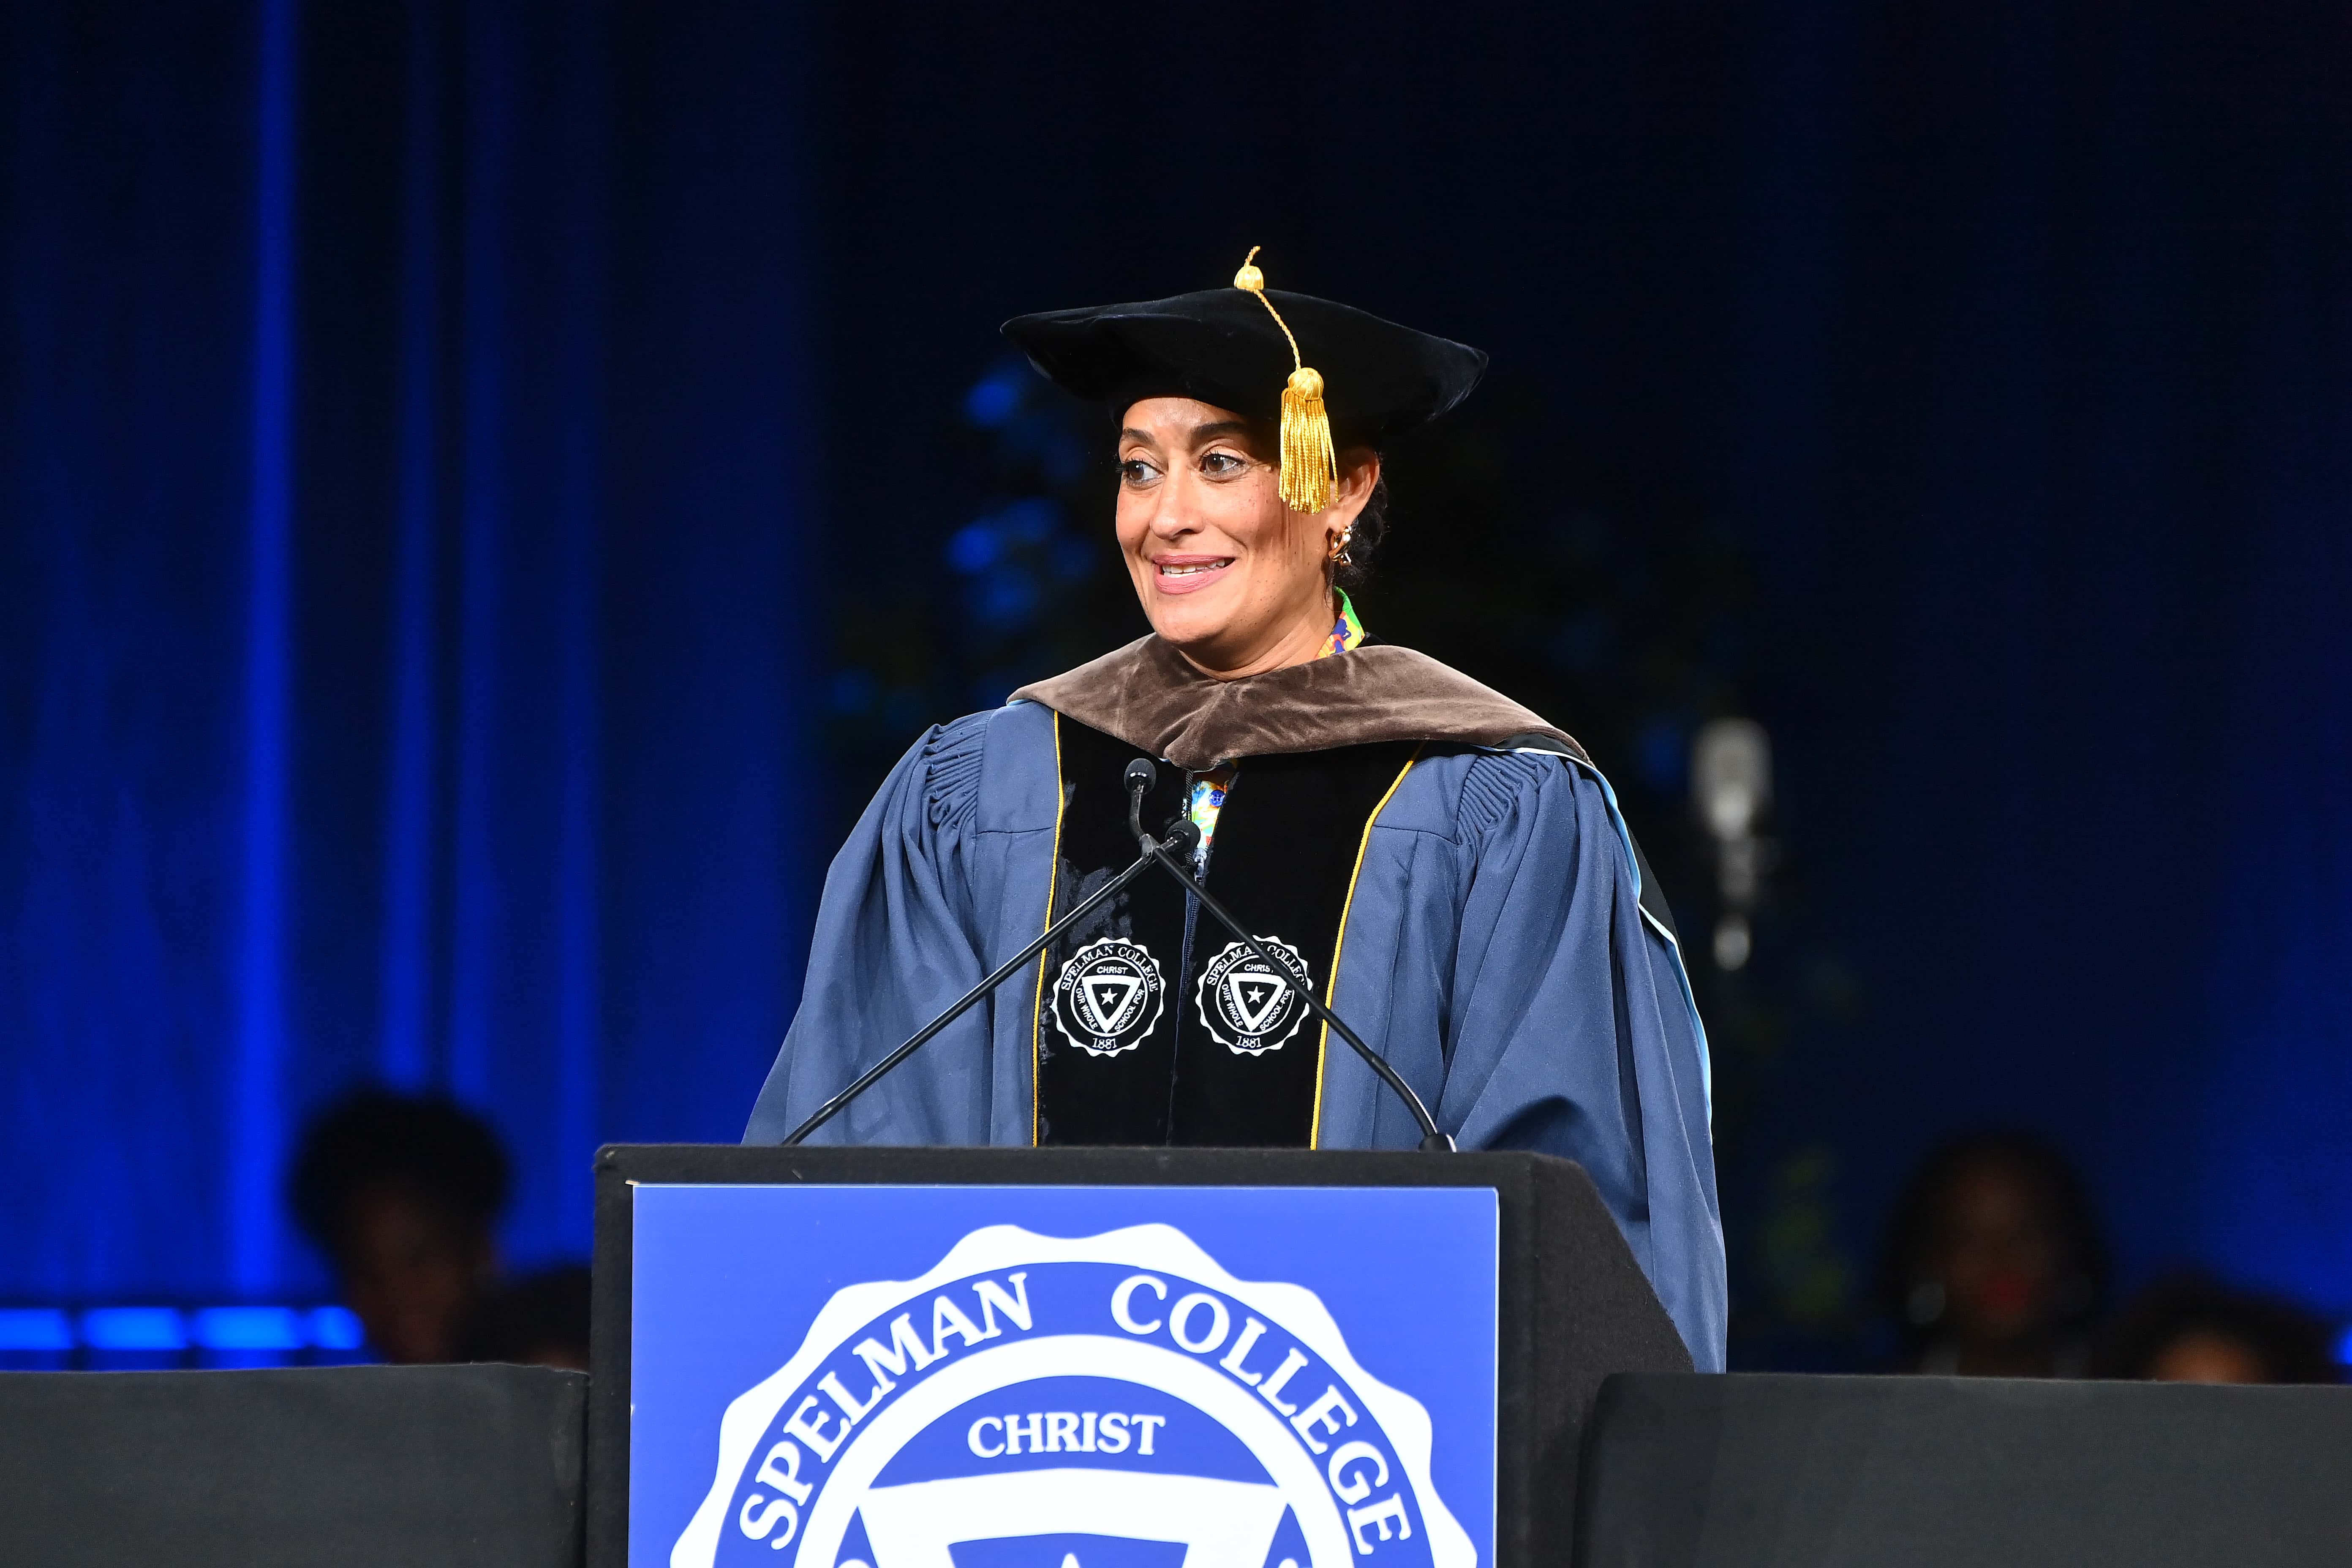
point(405, 645)
point(2011, 338)
point(2042, 426)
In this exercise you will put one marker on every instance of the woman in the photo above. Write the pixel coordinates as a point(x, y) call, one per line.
point(1993, 1264)
point(1445, 869)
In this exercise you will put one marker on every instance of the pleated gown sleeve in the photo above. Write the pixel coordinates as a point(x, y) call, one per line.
point(1499, 954)
point(934, 888)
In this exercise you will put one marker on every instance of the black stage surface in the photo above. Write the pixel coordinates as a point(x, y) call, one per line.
point(1775, 1472)
point(458, 1467)
point(366, 1467)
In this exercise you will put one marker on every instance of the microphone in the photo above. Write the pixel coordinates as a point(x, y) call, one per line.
point(1185, 836)
point(1139, 775)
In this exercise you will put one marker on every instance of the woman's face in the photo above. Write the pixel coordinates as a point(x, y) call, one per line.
point(2000, 1251)
point(1227, 573)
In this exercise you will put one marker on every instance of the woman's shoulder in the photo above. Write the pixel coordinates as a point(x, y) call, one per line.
point(1524, 798)
point(988, 771)
point(1475, 795)
point(1468, 792)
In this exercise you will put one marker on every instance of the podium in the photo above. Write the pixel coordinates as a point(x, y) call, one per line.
point(1099, 1358)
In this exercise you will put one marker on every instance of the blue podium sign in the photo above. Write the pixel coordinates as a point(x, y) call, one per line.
point(880, 1377)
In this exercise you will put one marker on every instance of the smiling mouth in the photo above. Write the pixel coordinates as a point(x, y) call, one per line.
point(1193, 568)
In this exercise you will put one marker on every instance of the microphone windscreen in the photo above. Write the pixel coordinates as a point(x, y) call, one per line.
point(1139, 775)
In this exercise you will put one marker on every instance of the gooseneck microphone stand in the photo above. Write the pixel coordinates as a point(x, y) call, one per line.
point(1183, 837)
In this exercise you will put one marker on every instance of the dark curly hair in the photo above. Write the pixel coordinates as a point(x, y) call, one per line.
point(426, 1144)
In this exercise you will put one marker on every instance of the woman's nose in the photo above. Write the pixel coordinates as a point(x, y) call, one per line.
point(1171, 513)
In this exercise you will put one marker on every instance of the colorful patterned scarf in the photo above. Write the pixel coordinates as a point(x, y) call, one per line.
point(1209, 788)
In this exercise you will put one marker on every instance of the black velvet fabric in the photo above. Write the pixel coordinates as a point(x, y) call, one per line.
point(1120, 1097)
point(371, 1467)
point(1282, 859)
point(1763, 1470)
point(1220, 346)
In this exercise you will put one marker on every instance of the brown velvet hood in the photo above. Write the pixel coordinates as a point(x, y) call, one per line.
point(1149, 695)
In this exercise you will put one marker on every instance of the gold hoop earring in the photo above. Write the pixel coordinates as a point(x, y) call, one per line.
point(1339, 556)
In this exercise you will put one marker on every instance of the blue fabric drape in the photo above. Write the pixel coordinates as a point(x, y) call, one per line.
point(400, 664)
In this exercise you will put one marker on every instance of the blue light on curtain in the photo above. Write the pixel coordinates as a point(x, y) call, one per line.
point(2277, 1087)
point(410, 815)
point(256, 1132)
point(391, 687)
point(583, 285)
point(127, 449)
point(483, 454)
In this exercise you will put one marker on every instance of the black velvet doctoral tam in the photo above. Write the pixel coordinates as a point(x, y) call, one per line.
point(1220, 346)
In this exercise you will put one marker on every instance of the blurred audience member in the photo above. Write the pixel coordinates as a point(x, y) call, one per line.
point(401, 1194)
point(2190, 1328)
point(540, 1320)
point(1993, 1264)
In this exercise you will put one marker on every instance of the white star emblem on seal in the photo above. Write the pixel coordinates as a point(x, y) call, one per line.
point(1247, 1008)
point(1109, 996)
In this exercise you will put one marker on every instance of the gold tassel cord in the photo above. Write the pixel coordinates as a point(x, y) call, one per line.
point(1310, 466)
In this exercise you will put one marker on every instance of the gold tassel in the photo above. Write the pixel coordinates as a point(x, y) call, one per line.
point(1311, 468)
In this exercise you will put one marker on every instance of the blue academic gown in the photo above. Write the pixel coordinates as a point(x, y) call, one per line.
point(1497, 956)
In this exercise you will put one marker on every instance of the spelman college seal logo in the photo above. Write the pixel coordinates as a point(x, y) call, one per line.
point(1119, 1401)
point(1246, 1005)
point(1108, 995)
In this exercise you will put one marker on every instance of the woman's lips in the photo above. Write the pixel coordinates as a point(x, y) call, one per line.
point(1188, 573)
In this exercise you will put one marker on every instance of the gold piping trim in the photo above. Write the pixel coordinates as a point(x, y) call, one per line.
point(1331, 985)
point(1053, 877)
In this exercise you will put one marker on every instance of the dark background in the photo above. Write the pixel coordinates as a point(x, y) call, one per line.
point(490, 484)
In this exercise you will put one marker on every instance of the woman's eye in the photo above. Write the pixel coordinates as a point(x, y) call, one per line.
point(1136, 471)
point(1222, 464)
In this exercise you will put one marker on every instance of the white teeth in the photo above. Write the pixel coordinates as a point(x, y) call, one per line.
point(1190, 571)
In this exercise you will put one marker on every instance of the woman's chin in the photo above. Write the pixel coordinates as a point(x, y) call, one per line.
point(1199, 637)
point(1193, 622)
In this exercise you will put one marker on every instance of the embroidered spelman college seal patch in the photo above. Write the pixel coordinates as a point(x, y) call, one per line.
point(1248, 1008)
point(1109, 996)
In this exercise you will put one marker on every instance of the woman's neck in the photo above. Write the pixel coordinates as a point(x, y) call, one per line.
point(1303, 641)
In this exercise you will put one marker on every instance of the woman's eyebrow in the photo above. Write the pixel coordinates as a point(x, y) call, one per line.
point(1198, 435)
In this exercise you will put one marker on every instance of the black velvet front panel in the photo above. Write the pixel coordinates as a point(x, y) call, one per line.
point(1108, 1088)
point(1156, 1026)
